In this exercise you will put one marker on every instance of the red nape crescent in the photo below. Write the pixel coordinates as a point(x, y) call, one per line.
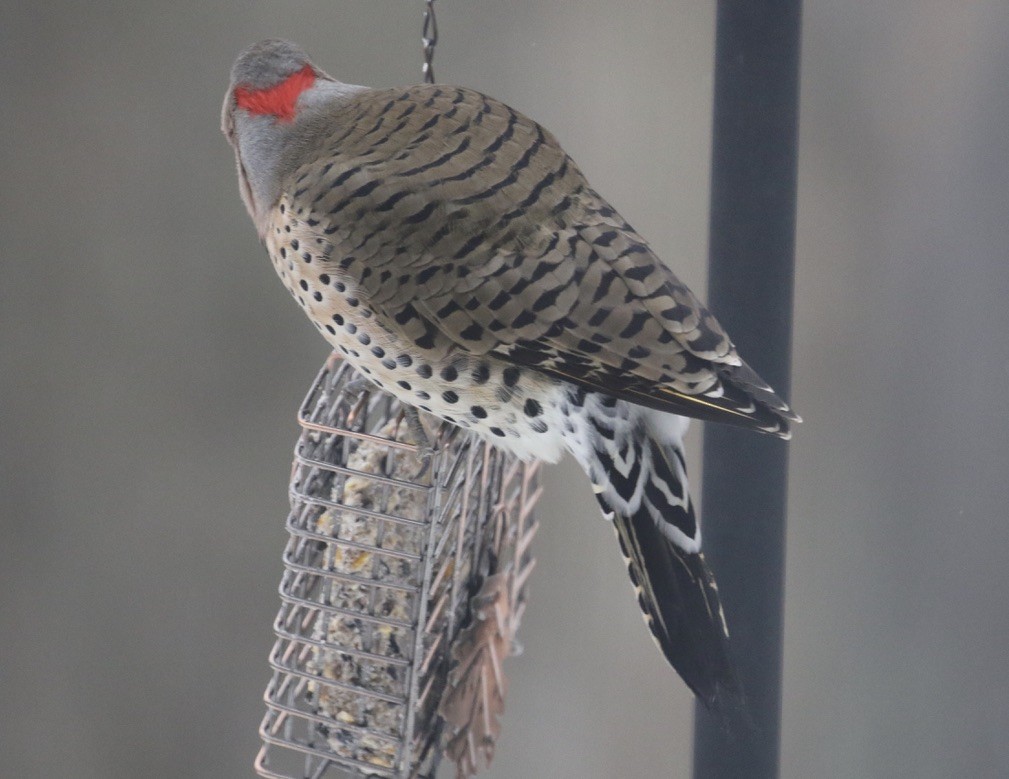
point(278, 100)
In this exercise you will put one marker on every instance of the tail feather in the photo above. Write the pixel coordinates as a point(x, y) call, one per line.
point(634, 457)
point(679, 599)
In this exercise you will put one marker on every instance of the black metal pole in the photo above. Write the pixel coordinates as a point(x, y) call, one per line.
point(751, 266)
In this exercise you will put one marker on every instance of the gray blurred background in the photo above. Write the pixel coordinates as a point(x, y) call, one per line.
point(152, 366)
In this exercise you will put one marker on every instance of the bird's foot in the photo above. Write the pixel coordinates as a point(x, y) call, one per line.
point(426, 450)
point(356, 388)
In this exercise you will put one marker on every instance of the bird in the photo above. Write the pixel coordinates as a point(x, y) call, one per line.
point(451, 251)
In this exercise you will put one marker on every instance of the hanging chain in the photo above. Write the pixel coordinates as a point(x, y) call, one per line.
point(430, 39)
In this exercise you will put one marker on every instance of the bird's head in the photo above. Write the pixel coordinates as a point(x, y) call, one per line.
point(273, 91)
point(268, 79)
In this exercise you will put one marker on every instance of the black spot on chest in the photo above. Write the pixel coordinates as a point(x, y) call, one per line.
point(481, 373)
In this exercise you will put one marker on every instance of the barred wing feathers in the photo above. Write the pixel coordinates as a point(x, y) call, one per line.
point(498, 242)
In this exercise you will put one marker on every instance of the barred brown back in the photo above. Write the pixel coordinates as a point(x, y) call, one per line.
point(495, 243)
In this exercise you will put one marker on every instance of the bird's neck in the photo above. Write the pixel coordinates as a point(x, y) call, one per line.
point(264, 145)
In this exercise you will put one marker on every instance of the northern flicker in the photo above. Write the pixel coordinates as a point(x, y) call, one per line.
point(451, 251)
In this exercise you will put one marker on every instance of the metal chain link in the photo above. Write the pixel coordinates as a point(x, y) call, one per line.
point(429, 36)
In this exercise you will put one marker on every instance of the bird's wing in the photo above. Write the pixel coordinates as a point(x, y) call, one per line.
point(454, 213)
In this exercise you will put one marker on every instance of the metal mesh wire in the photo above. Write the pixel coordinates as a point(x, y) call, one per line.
point(381, 569)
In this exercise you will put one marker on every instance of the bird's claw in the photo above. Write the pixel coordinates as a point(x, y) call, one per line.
point(356, 388)
point(426, 450)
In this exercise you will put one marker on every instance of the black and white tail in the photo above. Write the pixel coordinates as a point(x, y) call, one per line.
point(634, 457)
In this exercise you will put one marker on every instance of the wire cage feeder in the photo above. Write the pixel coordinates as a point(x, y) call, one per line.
point(403, 584)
